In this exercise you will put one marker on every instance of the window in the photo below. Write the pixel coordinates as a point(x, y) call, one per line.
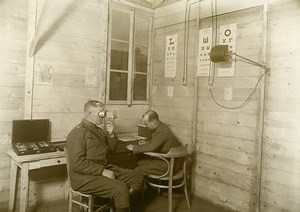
point(128, 63)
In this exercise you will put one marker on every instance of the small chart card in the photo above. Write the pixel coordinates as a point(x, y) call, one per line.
point(205, 41)
point(171, 55)
point(227, 36)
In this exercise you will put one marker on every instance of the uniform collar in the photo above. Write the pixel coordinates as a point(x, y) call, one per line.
point(157, 126)
point(88, 123)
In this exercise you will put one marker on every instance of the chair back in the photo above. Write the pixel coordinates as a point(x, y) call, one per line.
point(169, 158)
point(176, 152)
point(172, 173)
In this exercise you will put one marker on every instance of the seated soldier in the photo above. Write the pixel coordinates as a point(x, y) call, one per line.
point(88, 150)
point(162, 141)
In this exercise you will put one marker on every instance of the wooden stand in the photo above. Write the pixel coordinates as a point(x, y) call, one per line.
point(27, 163)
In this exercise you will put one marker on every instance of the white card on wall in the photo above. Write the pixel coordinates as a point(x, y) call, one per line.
point(205, 41)
point(227, 36)
point(44, 74)
point(170, 91)
point(171, 55)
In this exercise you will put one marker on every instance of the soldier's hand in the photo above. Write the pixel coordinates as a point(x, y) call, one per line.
point(109, 127)
point(129, 147)
point(108, 173)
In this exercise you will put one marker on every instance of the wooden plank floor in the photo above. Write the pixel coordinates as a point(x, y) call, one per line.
point(153, 203)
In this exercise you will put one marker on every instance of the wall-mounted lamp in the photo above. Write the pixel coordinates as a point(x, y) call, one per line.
point(220, 53)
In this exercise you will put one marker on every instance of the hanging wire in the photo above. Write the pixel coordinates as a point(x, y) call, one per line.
point(186, 44)
point(248, 99)
point(214, 22)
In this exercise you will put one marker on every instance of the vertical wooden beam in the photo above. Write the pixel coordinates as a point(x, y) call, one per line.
point(38, 27)
point(150, 61)
point(29, 74)
point(195, 104)
point(260, 127)
point(130, 60)
point(105, 58)
point(107, 75)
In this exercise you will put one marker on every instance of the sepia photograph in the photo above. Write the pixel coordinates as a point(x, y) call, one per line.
point(149, 106)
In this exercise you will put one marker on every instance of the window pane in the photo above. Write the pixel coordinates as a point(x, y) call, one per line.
point(141, 58)
point(118, 86)
point(119, 55)
point(120, 25)
point(140, 87)
point(141, 31)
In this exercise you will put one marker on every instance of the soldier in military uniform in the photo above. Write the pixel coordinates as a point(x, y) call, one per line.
point(88, 150)
point(162, 140)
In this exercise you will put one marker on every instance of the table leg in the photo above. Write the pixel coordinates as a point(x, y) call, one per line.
point(13, 185)
point(67, 189)
point(24, 187)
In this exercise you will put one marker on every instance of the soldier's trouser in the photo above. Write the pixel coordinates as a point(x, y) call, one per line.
point(151, 166)
point(116, 189)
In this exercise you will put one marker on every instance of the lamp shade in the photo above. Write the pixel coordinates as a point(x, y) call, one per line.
point(219, 53)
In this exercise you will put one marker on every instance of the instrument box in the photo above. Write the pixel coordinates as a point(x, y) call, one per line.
point(31, 136)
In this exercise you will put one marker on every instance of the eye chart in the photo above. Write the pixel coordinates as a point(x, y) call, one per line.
point(227, 36)
point(171, 55)
point(205, 41)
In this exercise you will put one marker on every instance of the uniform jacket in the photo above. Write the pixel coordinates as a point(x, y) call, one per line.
point(162, 140)
point(88, 152)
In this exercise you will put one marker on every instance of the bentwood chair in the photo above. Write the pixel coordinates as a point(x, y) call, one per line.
point(175, 180)
point(86, 201)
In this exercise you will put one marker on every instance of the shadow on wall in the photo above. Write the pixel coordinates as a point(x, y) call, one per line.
point(56, 24)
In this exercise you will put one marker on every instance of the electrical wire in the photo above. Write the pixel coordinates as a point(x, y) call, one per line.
point(248, 99)
point(186, 44)
point(214, 22)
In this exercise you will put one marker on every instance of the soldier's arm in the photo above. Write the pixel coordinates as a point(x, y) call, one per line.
point(157, 140)
point(112, 142)
point(112, 138)
point(76, 155)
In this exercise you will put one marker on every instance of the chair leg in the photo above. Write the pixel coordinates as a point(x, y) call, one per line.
point(81, 209)
point(185, 186)
point(159, 189)
point(187, 196)
point(91, 203)
point(170, 195)
point(70, 201)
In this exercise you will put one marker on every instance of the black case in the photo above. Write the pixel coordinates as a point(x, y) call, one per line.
point(31, 136)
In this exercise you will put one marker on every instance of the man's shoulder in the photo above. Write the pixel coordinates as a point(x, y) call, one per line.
point(162, 127)
point(78, 129)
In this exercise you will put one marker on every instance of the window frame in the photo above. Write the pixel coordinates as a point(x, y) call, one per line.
point(133, 12)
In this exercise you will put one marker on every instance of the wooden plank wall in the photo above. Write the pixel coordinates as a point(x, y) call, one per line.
point(73, 44)
point(175, 111)
point(13, 38)
point(227, 139)
point(281, 167)
point(226, 146)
